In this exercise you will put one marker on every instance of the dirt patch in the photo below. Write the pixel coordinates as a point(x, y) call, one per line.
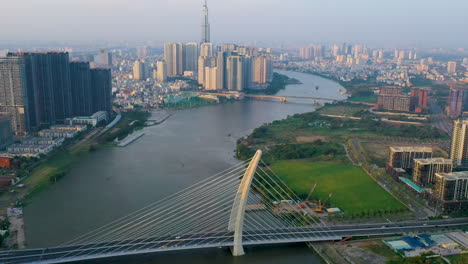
point(310, 139)
point(362, 252)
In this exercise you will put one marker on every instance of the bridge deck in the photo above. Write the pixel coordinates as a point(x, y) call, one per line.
point(212, 240)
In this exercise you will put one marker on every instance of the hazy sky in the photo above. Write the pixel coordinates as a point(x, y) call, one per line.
point(376, 22)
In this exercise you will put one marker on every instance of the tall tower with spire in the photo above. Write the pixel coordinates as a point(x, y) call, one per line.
point(205, 36)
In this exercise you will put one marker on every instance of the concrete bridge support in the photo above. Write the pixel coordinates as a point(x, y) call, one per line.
point(236, 221)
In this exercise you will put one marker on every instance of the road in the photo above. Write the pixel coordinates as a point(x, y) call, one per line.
point(439, 119)
point(421, 210)
point(223, 239)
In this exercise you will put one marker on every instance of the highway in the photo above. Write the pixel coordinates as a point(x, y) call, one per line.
point(223, 239)
point(439, 119)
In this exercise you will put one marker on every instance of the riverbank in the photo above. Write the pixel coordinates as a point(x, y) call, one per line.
point(40, 175)
point(295, 146)
point(278, 83)
point(359, 90)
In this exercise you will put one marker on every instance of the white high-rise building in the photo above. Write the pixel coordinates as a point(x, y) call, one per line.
point(211, 78)
point(139, 71)
point(235, 73)
point(262, 69)
point(452, 67)
point(206, 49)
point(173, 55)
point(162, 71)
point(459, 148)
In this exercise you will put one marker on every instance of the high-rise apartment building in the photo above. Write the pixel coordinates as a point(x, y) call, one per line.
point(81, 90)
point(203, 63)
point(454, 106)
point(105, 58)
point(306, 53)
point(143, 52)
point(139, 70)
point(6, 132)
point(14, 96)
point(459, 145)
point(425, 169)
point(191, 57)
point(211, 78)
point(48, 80)
point(403, 157)
point(452, 186)
point(228, 48)
point(452, 67)
point(390, 90)
point(206, 49)
point(221, 65)
point(336, 50)
point(162, 71)
point(394, 102)
point(262, 69)
point(101, 87)
point(235, 73)
point(173, 55)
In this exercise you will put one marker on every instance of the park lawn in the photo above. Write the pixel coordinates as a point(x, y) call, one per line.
point(458, 259)
point(353, 190)
point(343, 110)
point(364, 99)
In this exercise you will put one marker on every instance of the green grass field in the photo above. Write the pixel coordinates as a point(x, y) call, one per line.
point(353, 190)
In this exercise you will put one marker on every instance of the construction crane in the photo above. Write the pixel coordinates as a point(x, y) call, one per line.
point(321, 206)
point(303, 204)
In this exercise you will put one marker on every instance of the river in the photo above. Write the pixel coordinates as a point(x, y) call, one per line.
point(188, 147)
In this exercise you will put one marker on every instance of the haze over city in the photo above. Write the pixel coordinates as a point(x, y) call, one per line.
point(417, 23)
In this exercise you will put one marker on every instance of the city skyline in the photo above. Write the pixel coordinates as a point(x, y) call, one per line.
point(420, 23)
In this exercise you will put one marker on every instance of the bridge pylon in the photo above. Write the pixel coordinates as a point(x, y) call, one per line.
point(236, 221)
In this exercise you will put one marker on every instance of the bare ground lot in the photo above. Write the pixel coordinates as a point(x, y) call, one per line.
point(310, 139)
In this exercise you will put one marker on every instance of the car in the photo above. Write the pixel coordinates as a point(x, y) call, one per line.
point(177, 237)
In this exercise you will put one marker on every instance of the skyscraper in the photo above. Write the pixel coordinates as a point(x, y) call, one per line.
point(203, 63)
point(173, 55)
point(162, 71)
point(13, 93)
point(139, 71)
point(235, 73)
point(221, 65)
point(49, 86)
point(105, 57)
point(459, 148)
point(262, 69)
point(191, 57)
point(206, 49)
point(425, 169)
point(80, 77)
point(211, 78)
point(452, 67)
point(205, 27)
point(101, 87)
point(454, 106)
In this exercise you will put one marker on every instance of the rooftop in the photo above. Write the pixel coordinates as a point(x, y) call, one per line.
point(433, 161)
point(411, 149)
point(454, 175)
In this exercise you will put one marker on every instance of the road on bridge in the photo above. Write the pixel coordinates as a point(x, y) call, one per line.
point(223, 239)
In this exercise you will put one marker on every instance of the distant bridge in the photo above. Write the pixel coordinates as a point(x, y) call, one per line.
point(215, 213)
point(282, 98)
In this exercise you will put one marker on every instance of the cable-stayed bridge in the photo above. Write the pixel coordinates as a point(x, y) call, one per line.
point(247, 204)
